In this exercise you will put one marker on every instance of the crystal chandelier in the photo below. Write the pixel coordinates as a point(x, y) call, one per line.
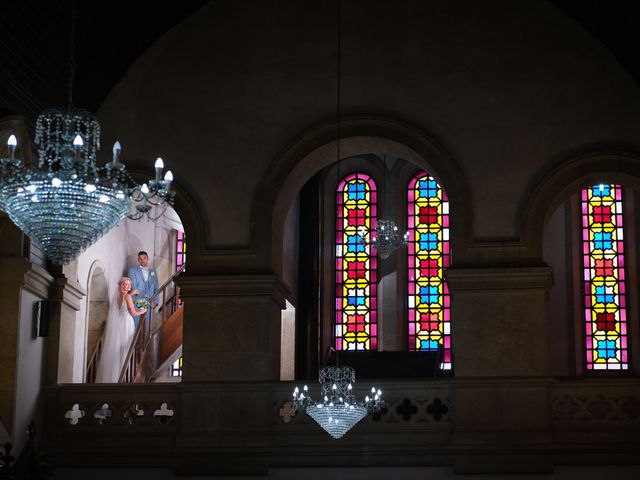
point(386, 238)
point(68, 202)
point(339, 409)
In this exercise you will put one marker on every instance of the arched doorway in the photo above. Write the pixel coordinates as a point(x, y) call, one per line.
point(102, 265)
point(97, 313)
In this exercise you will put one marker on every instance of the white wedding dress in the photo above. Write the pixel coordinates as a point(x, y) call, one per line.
point(116, 343)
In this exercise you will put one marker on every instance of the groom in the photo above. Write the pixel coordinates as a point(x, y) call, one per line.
point(144, 280)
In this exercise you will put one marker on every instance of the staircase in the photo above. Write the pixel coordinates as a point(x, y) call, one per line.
point(157, 341)
point(94, 359)
point(163, 348)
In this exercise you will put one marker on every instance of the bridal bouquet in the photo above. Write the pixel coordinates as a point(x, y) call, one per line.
point(142, 302)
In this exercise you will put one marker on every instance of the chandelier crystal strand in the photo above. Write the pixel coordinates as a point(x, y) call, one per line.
point(339, 410)
point(68, 202)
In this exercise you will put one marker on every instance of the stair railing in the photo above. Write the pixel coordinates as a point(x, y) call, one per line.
point(146, 328)
point(92, 364)
point(170, 300)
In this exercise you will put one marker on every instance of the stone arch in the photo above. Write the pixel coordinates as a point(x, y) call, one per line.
point(97, 309)
point(558, 184)
point(359, 135)
point(102, 264)
point(547, 227)
point(189, 210)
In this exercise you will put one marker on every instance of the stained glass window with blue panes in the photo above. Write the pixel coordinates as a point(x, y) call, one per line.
point(429, 305)
point(356, 265)
point(603, 255)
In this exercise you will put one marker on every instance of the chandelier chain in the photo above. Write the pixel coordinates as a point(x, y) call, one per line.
point(339, 83)
point(72, 57)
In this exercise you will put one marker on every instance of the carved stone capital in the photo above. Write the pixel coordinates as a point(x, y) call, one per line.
point(69, 292)
point(38, 281)
point(242, 285)
point(491, 279)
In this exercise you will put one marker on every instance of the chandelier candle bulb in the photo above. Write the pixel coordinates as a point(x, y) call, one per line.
point(77, 146)
point(12, 143)
point(144, 189)
point(159, 165)
point(117, 148)
point(168, 177)
point(339, 410)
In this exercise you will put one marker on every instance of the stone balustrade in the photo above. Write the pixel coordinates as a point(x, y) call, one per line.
point(219, 426)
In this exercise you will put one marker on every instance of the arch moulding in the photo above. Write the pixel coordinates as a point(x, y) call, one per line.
point(607, 166)
point(358, 136)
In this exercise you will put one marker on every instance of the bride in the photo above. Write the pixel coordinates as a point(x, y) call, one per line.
point(119, 333)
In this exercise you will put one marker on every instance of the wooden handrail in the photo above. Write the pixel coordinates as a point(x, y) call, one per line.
point(145, 330)
point(163, 343)
point(127, 373)
point(92, 364)
point(168, 281)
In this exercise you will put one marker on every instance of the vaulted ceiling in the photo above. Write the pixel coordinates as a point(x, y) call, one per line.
point(110, 35)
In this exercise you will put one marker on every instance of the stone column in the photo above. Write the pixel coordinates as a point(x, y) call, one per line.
point(231, 350)
point(501, 392)
point(66, 296)
point(231, 327)
point(499, 325)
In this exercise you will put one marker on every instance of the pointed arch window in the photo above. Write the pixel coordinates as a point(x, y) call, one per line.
point(603, 255)
point(356, 265)
point(429, 303)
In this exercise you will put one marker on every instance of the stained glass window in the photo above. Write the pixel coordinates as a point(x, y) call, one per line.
point(181, 250)
point(604, 278)
point(176, 368)
point(356, 264)
point(429, 309)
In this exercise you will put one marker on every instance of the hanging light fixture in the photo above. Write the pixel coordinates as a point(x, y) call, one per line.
point(339, 410)
point(67, 202)
point(385, 238)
